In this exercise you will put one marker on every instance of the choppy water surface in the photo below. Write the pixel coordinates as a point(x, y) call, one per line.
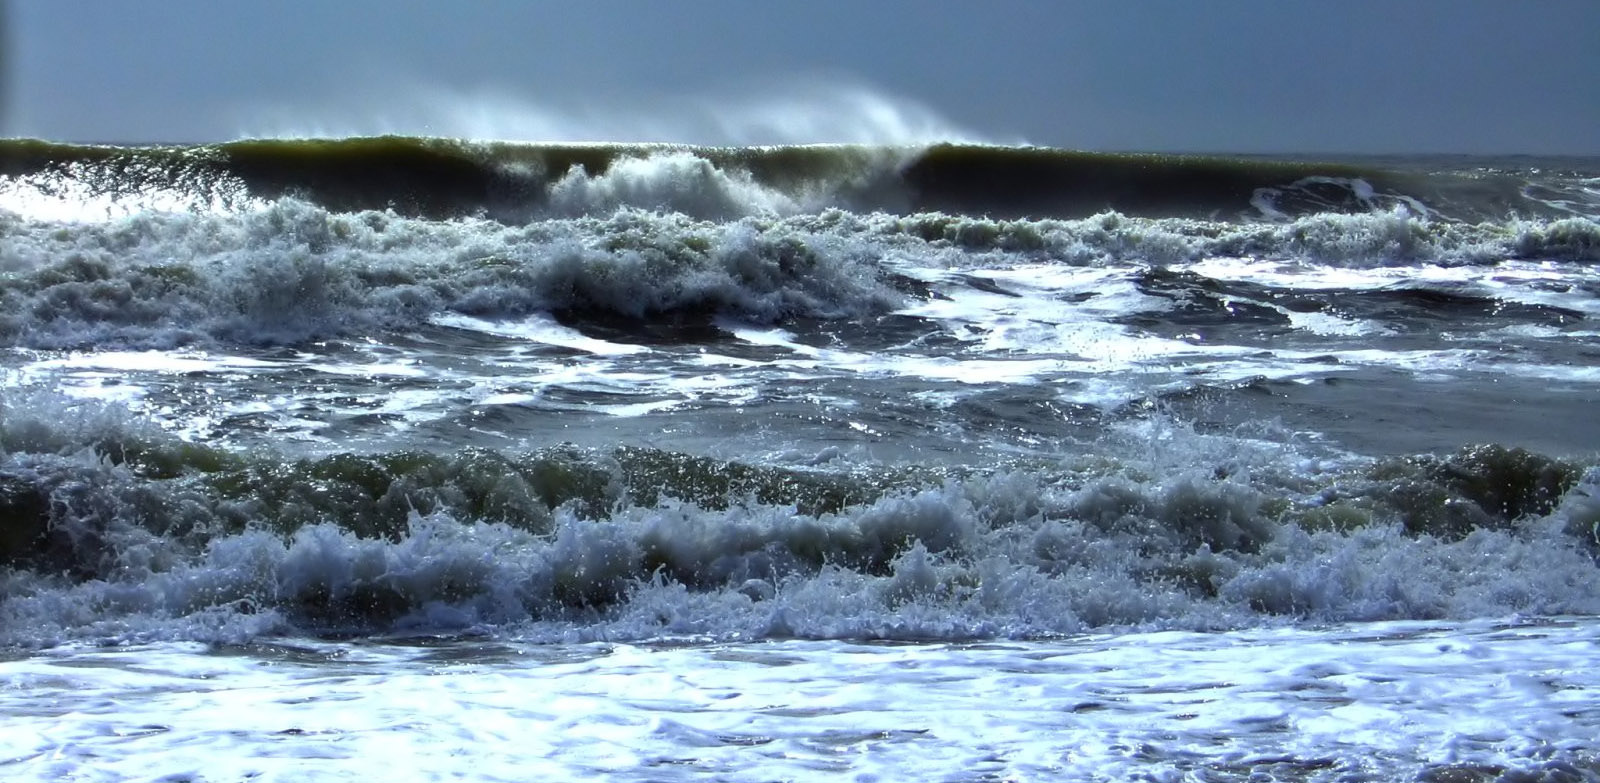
point(1386, 701)
point(959, 462)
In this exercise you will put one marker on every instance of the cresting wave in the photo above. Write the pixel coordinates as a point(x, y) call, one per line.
point(288, 271)
point(276, 242)
point(118, 531)
point(446, 178)
point(979, 301)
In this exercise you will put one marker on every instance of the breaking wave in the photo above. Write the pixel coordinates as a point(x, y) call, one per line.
point(288, 270)
point(115, 530)
point(444, 178)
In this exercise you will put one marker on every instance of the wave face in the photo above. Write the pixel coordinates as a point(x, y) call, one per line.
point(443, 178)
point(385, 386)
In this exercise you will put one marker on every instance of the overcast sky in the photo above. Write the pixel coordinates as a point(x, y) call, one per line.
point(1477, 76)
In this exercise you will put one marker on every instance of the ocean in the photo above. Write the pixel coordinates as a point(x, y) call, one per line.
point(431, 459)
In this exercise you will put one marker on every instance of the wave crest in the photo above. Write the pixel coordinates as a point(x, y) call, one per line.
point(140, 535)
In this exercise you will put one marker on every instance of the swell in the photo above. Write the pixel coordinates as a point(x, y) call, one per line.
point(113, 528)
point(443, 178)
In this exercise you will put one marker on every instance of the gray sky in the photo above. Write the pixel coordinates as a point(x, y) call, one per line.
point(1484, 76)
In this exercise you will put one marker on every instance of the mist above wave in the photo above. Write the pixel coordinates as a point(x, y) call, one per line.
point(796, 111)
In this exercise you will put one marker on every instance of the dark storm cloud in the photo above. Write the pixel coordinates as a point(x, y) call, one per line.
point(5, 70)
point(1227, 75)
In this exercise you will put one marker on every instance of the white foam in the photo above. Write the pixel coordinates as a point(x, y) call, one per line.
point(1393, 701)
point(1025, 323)
point(179, 389)
point(149, 361)
point(293, 273)
point(668, 181)
point(1007, 554)
point(65, 196)
point(539, 328)
point(828, 360)
point(1548, 283)
point(1332, 325)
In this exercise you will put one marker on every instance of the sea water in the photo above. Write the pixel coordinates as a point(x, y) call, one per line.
point(436, 459)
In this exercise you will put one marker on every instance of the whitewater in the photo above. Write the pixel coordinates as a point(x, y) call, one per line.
point(428, 458)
